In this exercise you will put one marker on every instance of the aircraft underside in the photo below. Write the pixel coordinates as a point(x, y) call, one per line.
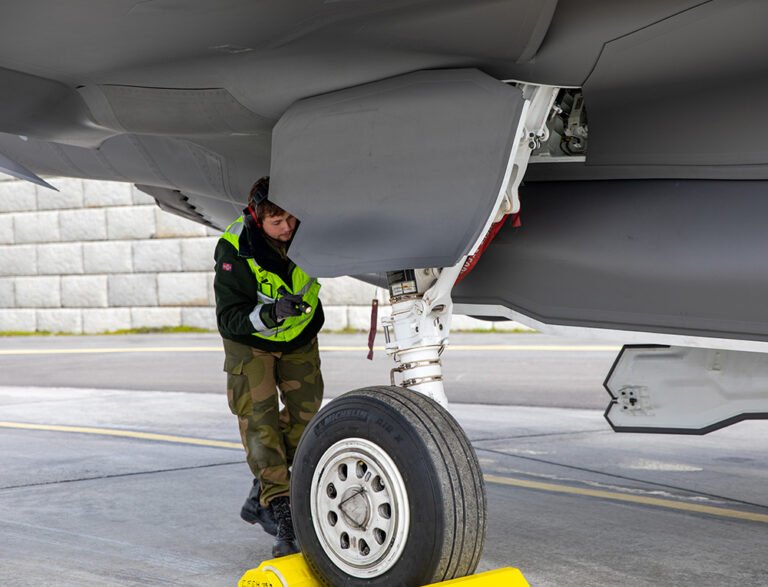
point(614, 151)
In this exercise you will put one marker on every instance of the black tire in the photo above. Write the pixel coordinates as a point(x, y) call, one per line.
point(439, 471)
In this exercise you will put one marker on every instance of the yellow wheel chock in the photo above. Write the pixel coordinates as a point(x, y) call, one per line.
point(506, 577)
point(292, 571)
point(287, 571)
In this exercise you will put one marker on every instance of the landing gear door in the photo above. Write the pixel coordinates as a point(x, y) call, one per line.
point(393, 174)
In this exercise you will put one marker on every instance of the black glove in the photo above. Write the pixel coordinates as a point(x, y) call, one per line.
point(286, 306)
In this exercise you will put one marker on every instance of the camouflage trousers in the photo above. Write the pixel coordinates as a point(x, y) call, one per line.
point(270, 435)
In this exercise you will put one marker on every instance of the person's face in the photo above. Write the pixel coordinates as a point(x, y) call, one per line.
point(280, 227)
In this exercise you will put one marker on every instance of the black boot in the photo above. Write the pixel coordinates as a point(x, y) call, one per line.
point(285, 542)
point(255, 513)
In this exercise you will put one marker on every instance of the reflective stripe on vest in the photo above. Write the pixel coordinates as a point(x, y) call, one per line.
point(269, 286)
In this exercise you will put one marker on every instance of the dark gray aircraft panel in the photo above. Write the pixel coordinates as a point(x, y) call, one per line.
point(220, 74)
point(180, 97)
point(453, 26)
point(269, 53)
point(577, 34)
point(687, 91)
point(395, 174)
point(204, 170)
point(580, 171)
point(47, 110)
point(175, 112)
point(683, 257)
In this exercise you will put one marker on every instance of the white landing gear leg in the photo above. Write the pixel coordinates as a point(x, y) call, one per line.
point(417, 331)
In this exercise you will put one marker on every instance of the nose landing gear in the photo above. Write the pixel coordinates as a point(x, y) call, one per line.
point(387, 489)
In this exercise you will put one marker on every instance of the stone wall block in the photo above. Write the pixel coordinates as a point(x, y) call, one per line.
point(38, 292)
point(137, 222)
point(107, 257)
point(7, 292)
point(197, 253)
point(107, 193)
point(18, 260)
point(70, 195)
point(347, 291)
point(359, 317)
point(18, 321)
point(157, 255)
point(84, 291)
point(60, 320)
point(138, 289)
point(211, 293)
point(182, 289)
point(382, 295)
point(60, 259)
point(36, 227)
point(172, 226)
point(106, 320)
point(199, 318)
point(335, 318)
point(6, 229)
point(155, 317)
point(156, 271)
point(139, 197)
point(17, 196)
point(83, 225)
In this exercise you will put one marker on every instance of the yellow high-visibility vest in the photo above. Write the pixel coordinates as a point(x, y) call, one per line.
point(270, 284)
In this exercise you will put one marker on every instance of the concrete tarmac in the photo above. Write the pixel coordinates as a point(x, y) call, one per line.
point(105, 480)
point(530, 374)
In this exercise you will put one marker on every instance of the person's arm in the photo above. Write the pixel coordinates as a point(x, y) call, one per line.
point(237, 308)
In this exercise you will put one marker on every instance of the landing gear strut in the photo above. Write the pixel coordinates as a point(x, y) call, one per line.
point(417, 331)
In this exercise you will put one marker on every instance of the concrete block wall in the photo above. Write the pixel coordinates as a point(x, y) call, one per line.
point(100, 256)
point(87, 260)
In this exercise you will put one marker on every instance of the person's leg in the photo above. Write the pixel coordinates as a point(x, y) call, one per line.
point(251, 392)
point(301, 389)
point(240, 361)
point(266, 449)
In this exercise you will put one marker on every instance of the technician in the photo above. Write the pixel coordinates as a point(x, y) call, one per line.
point(268, 313)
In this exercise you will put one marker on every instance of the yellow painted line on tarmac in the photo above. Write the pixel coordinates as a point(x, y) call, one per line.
point(637, 499)
point(89, 351)
point(535, 485)
point(123, 434)
point(326, 349)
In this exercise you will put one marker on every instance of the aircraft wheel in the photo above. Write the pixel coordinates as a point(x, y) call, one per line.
point(387, 491)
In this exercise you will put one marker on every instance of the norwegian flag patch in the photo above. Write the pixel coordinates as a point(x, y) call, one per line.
point(226, 266)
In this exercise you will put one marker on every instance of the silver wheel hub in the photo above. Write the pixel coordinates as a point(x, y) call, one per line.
point(360, 508)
